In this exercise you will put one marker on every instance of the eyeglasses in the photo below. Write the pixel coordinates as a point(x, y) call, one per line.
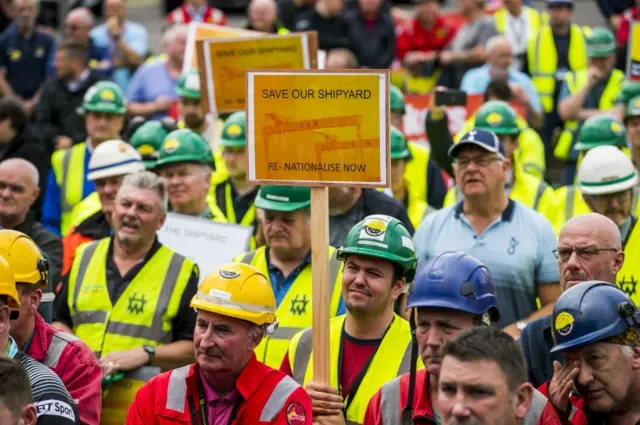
point(481, 162)
point(586, 253)
point(619, 197)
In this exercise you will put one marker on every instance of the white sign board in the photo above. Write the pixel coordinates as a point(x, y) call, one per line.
point(207, 243)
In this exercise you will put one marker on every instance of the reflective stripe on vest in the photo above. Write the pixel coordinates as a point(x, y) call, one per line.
point(534, 19)
point(568, 203)
point(273, 348)
point(85, 209)
point(390, 402)
point(68, 168)
point(536, 408)
point(391, 360)
point(178, 272)
point(177, 393)
point(249, 218)
point(56, 348)
point(541, 188)
point(628, 278)
point(543, 61)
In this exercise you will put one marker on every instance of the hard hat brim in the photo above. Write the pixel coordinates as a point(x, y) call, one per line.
point(581, 146)
point(257, 318)
point(175, 159)
point(343, 252)
point(268, 205)
point(605, 188)
point(189, 94)
point(600, 53)
point(124, 168)
point(228, 143)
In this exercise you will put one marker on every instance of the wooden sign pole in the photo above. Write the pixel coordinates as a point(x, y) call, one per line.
point(320, 272)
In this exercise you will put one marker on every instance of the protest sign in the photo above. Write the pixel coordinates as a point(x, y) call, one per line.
point(633, 59)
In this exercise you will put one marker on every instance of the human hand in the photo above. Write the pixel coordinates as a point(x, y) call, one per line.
point(63, 142)
point(513, 331)
point(162, 103)
point(519, 94)
point(325, 400)
point(562, 383)
point(446, 57)
point(113, 26)
point(124, 360)
point(594, 75)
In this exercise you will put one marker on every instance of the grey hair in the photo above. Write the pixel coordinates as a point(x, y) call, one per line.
point(494, 41)
point(174, 31)
point(150, 181)
point(85, 15)
point(31, 169)
point(626, 350)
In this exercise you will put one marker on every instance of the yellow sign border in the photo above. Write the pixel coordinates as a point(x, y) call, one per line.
point(385, 159)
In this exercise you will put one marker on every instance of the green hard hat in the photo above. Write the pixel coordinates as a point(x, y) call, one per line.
point(629, 90)
point(399, 148)
point(497, 116)
point(381, 236)
point(599, 131)
point(104, 96)
point(600, 43)
point(283, 198)
point(396, 99)
point(147, 140)
point(188, 85)
point(234, 134)
point(633, 108)
point(184, 145)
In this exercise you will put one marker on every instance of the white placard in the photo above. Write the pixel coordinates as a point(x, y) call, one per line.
point(207, 243)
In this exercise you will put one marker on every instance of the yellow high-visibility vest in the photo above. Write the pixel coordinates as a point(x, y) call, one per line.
point(629, 276)
point(68, 168)
point(294, 312)
point(85, 209)
point(536, 19)
point(391, 359)
point(543, 61)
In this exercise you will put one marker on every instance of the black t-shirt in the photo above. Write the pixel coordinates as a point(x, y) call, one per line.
point(182, 324)
point(562, 49)
point(333, 33)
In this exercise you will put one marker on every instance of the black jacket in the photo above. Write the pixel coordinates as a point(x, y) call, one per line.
point(376, 202)
point(29, 145)
point(332, 33)
point(374, 47)
point(536, 342)
point(57, 111)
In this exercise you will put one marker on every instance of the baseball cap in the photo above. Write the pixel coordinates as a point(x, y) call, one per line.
point(483, 138)
point(553, 3)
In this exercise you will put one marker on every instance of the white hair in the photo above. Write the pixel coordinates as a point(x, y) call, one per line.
point(495, 41)
point(271, 3)
point(174, 31)
point(150, 181)
point(84, 14)
point(626, 350)
point(31, 170)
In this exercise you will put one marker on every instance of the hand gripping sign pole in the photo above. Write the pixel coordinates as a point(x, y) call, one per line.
point(318, 128)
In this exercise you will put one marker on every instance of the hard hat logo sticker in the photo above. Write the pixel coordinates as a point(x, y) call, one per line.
point(146, 150)
point(107, 95)
point(375, 228)
point(616, 128)
point(494, 119)
point(229, 274)
point(123, 147)
point(171, 145)
point(564, 323)
point(234, 130)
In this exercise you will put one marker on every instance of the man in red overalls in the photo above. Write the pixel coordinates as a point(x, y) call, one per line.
point(196, 11)
point(227, 385)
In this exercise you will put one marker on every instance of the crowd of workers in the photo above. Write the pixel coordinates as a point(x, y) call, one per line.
point(508, 297)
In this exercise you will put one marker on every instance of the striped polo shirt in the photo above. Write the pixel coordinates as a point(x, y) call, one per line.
point(517, 249)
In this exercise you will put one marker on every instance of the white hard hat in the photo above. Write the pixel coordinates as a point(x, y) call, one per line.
point(114, 158)
point(605, 170)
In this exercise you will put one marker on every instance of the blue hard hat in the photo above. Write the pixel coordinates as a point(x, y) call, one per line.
point(590, 312)
point(457, 281)
point(487, 140)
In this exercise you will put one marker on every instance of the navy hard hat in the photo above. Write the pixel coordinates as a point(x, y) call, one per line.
point(487, 140)
point(457, 281)
point(558, 3)
point(590, 312)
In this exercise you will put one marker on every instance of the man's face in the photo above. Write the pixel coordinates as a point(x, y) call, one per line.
point(369, 285)
point(500, 60)
point(286, 232)
point(369, 6)
point(114, 8)
point(427, 10)
point(262, 16)
point(137, 216)
point(76, 29)
point(192, 113)
point(175, 48)
point(334, 7)
point(560, 17)
point(616, 206)
point(479, 172)
point(103, 126)
point(510, 144)
point(633, 130)
point(221, 344)
point(476, 393)
point(107, 189)
point(436, 326)
point(465, 6)
point(187, 183)
point(235, 159)
point(606, 374)
point(600, 265)
point(62, 65)
point(397, 173)
point(397, 119)
point(604, 65)
point(17, 192)
point(27, 11)
point(29, 303)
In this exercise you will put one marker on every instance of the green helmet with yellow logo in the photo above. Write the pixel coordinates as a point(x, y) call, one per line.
point(283, 198)
point(188, 85)
point(396, 100)
point(600, 131)
point(629, 90)
point(184, 145)
point(499, 117)
point(105, 97)
point(633, 108)
point(600, 43)
point(234, 132)
point(147, 140)
point(399, 148)
point(381, 236)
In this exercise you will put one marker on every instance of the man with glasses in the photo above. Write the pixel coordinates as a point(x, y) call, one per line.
point(589, 248)
point(511, 239)
point(77, 26)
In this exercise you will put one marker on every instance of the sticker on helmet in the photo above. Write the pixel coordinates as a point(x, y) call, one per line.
point(494, 119)
point(234, 130)
point(146, 150)
point(229, 274)
point(564, 323)
point(637, 103)
point(296, 415)
point(408, 243)
point(123, 147)
point(107, 95)
point(171, 145)
point(617, 128)
point(218, 294)
point(375, 228)
point(192, 82)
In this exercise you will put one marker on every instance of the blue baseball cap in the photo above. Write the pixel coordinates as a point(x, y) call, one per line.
point(554, 3)
point(483, 138)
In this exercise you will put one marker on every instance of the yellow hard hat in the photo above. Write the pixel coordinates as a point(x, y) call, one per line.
point(237, 290)
point(23, 255)
point(8, 285)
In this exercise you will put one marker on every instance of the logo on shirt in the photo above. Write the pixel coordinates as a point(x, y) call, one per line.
point(513, 243)
point(136, 304)
point(296, 415)
point(628, 286)
point(15, 55)
point(55, 408)
point(39, 52)
point(440, 33)
point(564, 323)
point(299, 305)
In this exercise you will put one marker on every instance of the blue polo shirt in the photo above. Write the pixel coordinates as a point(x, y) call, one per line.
point(517, 249)
point(28, 61)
